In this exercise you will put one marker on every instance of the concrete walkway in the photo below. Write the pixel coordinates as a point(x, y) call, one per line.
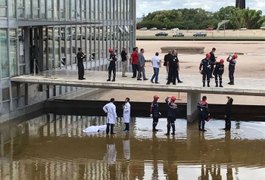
point(97, 79)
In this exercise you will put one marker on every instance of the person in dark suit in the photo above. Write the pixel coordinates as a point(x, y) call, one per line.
point(80, 56)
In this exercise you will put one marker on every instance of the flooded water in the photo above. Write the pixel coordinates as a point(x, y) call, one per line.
point(54, 147)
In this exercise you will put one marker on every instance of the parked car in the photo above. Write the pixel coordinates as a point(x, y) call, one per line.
point(153, 29)
point(178, 35)
point(200, 34)
point(143, 28)
point(161, 34)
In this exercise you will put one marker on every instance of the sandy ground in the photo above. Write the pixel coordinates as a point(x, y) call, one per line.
point(251, 64)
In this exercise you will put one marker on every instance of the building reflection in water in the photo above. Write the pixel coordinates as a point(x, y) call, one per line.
point(54, 147)
point(110, 157)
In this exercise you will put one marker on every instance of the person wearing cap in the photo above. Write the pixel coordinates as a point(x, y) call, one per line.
point(80, 56)
point(204, 114)
point(228, 112)
point(231, 68)
point(205, 69)
point(110, 109)
point(112, 64)
point(127, 114)
point(212, 61)
point(154, 112)
point(171, 114)
point(218, 72)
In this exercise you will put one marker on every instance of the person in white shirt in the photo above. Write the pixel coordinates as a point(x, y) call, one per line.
point(127, 114)
point(156, 64)
point(110, 109)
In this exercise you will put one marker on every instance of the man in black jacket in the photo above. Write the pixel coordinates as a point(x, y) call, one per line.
point(80, 56)
point(112, 64)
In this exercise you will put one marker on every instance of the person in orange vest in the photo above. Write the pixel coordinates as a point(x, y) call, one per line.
point(205, 70)
point(203, 113)
point(171, 114)
point(154, 112)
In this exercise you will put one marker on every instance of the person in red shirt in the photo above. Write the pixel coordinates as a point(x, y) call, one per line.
point(134, 61)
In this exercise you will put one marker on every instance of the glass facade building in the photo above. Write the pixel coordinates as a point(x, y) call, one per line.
point(40, 35)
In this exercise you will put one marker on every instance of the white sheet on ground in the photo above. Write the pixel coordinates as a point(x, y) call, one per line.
point(95, 129)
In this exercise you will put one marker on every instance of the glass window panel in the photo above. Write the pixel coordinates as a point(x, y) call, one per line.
point(49, 9)
point(42, 9)
point(56, 9)
point(28, 9)
point(78, 11)
point(3, 12)
point(62, 9)
point(96, 4)
point(13, 52)
point(14, 92)
point(73, 9)
point(83, 10)
point(3, 53)
point(12, 8)
point(5, 94)
point(36, 8)
point(3, 2)
point(3, 8)
point(92, 8)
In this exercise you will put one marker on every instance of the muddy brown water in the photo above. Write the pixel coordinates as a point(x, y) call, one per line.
point(55, 147)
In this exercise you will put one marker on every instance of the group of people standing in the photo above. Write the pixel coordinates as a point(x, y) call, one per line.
point(202, 107)
point(209, 66)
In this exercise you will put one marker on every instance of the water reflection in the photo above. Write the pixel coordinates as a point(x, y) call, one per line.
point(54, 147)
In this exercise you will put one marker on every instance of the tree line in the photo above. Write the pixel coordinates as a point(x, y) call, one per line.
point(200, 19)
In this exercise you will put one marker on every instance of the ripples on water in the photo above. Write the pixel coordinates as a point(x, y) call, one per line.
point(54, 147)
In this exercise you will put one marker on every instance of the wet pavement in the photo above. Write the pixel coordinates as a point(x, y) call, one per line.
point(54, 147)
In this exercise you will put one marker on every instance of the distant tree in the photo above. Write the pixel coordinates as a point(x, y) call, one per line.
point(252, 19)
point(201, 19)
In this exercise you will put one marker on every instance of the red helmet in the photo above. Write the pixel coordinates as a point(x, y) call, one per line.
point(110, 50)
point(156, 97)
point(173, 98)
point(222, 61)
point(235, 56)
point(208, 55)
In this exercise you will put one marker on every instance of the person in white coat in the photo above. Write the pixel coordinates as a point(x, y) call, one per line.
point(127, 114)
point(110, 109)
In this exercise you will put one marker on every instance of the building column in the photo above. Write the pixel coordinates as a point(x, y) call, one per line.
point(192, 100)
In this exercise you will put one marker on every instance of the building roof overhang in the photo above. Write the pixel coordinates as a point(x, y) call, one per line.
point(38, 22)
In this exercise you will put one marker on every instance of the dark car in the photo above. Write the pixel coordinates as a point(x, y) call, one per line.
point(200, 34)
point(178, 35)
point(161, 34)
